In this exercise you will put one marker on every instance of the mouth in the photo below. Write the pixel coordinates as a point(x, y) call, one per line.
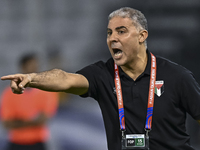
point(117, 53)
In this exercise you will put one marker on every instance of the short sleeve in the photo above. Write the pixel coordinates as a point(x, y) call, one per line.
point(99, 76)
point(90, 72)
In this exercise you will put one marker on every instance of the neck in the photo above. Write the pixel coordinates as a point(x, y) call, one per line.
point(137, 66)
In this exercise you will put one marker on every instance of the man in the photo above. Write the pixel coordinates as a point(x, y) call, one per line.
point(25, 116)
point(143, 98)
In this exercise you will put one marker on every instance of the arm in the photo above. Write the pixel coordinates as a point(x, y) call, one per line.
point(17, 123)
point(54, 80)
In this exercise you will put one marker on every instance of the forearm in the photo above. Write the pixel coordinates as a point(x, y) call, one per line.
point(57, 80)
point(53, 80)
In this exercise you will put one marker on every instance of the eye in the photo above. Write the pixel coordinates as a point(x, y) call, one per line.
point(109, 33)
point(121, 32)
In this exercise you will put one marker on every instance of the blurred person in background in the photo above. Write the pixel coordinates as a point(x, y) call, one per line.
point(143, 98)
point(25, 116)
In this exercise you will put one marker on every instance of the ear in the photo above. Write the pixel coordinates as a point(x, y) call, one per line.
point(143, 36)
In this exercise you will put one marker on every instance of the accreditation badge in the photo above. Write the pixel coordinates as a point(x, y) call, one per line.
point(134, 141)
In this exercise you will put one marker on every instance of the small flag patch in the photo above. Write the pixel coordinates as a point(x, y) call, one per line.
point(159, 88)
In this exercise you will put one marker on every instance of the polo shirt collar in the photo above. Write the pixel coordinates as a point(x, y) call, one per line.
point(147, 70)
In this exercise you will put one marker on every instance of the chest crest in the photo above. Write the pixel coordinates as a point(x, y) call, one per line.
point(159, 88)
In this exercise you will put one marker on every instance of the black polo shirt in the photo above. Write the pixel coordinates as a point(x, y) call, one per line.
point(177, 94)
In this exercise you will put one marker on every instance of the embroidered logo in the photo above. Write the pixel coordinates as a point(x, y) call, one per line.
point(159, 88)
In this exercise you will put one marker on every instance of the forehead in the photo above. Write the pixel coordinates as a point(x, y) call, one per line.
point(119, 21)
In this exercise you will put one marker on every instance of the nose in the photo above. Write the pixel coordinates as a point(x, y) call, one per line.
point(113, 37)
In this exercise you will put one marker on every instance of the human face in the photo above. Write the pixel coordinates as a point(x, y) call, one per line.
point(30, 66)
point(123, 40)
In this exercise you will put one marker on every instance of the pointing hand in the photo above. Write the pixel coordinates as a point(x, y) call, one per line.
point(18, 82)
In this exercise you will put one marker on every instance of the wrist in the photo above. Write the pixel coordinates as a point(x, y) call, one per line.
point(30, 78)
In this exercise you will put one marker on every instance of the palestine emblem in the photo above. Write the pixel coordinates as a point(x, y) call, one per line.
point(159, 88)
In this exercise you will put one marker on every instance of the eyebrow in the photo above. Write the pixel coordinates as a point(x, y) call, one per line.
point(117, 28)
point(121, 27)
point(108, 29)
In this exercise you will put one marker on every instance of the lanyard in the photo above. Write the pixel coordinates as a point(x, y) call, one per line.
point(150, 96)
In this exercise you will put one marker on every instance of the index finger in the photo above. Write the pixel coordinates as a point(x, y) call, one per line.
point(8, 77)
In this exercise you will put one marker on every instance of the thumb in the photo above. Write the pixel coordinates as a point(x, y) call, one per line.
point(24, 83)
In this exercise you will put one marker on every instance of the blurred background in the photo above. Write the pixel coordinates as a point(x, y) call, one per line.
point(70, 34)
